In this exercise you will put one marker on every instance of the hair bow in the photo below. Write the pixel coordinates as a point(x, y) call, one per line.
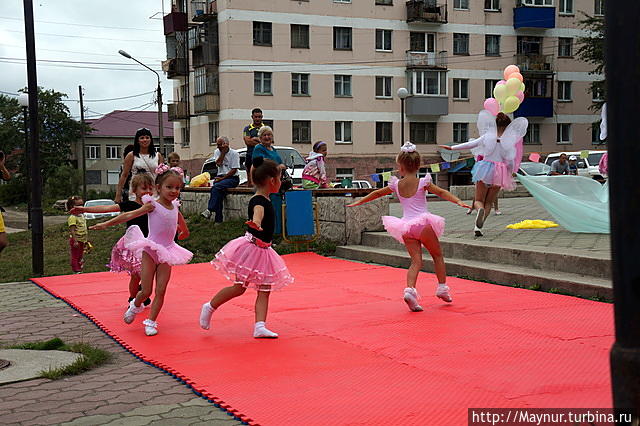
point(178, 170)
point(161, 169)
point(408, 147)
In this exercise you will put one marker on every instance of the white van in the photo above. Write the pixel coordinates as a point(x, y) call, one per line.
point(290, 156)
point(587, 167)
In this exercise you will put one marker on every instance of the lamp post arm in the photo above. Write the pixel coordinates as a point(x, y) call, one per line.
point(150, 69)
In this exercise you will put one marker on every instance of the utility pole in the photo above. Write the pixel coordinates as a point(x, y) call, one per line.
point(84, 154)
point(160, 121)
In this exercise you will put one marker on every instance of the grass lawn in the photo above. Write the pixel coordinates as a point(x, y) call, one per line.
point(205, 240)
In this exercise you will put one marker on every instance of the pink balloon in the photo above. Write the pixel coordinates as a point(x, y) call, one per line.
point(516, 75)
point(520, 96)
point(510, 70)
point(501, 82)
point(492, 105)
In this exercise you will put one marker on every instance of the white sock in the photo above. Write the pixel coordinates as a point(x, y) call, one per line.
point(205, 315)
point(262, 332)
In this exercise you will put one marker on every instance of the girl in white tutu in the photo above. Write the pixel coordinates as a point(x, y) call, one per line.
point(157, 252)
point(417, 227)
point(249, 261)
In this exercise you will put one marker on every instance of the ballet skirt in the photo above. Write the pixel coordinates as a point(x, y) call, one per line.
point(415, 215)
point(123, 259)
point(160, 244)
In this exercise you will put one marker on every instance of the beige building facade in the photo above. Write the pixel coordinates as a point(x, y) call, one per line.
point(330, 70)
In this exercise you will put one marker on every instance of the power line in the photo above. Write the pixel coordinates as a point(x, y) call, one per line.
point(80, 52)
point(89, 37)
point(81, 25)
point(22, 62)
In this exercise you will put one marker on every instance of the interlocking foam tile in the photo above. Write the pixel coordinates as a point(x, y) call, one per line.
point(350, 352)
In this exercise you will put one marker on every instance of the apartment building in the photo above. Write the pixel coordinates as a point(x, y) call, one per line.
point(330, 69)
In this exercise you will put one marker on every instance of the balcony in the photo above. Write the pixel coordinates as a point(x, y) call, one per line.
point(205, 55)
point(177, 111)
point(536, 17)
point(174, 22)
point(427, 59)
point(533, 63)
point(535, 107)
point(426, 11)
point(206, 104)
point(427, 105)
point(202, 11)
point(175, 67)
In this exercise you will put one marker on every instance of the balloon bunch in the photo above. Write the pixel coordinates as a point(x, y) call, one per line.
point(508, 93)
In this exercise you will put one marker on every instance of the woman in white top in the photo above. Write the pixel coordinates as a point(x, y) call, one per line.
point(143, 159)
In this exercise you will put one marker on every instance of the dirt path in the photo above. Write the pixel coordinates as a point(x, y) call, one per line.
point(16, 220)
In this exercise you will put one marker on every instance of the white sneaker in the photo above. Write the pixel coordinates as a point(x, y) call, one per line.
point(131, 313)
point(206, 214)
point(443, 293)
point(205, 315)
point(411, 299)
point(262, 332)
point(498, 212)
point(150, 327)
point(480, 218)
point(477, 231)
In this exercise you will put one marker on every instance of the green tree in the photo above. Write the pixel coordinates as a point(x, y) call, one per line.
point(591, 50)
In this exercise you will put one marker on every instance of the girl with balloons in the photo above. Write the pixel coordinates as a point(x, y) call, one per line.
point(499, 147)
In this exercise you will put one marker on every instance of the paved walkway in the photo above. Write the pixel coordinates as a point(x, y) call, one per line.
point(123, 392)
point(459, 225)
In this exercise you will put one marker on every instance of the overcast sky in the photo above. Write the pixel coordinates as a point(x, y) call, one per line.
point(88, 32)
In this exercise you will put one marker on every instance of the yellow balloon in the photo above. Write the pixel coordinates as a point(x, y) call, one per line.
point(513, 86)
point(511, 104)
point(500, 92)
point(522, 87)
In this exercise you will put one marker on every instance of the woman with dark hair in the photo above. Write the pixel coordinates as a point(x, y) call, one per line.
point(142, 159)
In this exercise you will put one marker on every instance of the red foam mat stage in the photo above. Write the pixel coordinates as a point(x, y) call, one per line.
point(350, 352)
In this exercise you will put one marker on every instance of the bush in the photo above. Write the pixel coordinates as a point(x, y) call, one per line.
point(92, 194)
point(14, 192)
point(63, 182)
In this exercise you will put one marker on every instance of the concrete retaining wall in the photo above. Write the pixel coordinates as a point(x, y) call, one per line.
point(465, 192)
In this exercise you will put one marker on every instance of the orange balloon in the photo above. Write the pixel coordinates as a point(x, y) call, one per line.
point(510, 70)
point(516, 75)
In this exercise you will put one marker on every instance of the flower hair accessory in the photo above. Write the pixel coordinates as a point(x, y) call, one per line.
point(408, 147)
point(162, 169)
point(178, 170)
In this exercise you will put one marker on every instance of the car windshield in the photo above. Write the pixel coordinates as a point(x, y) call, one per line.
point(594, 158)
point(291, 158)
point(535, 169)
point(98, 203)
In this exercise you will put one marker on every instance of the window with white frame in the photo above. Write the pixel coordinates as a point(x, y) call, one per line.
point(383, 87)
point(461, 4)
point(342, 85)
point(422, 42)
point(489, 85)
point(384, 2)
point(214, 132)
point(342, 1)
point(564, 91)
point(537, 2)
point(300, 84)
point(186, 136)
point(383, 40)
point(205, 81)
point(344, 173)
point(429, 83)
point(565, 7)
point(422, 133)
point(595, 134)
point(93, 152)
point(460, 88)
point(113, 152)
point(301, 131)
point(460, 132)
point(563, 133)
point(300, 36)
point(94, 177)
point(113, 176)
point(460, 44)
point(384, 131)
point(493, 5)
point(261, 33)
point(341, 38)
point(598, 8)
point(262, 83)
point(532, 137)
point(565, 47)
point(492, 45)
point(343, 132)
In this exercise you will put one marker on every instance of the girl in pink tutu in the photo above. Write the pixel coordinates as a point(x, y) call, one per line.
point(157, 252)
point(123, 260)
point(250, 261)
point(417, 227)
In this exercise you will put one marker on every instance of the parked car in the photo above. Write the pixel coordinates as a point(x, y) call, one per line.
point(359, 184)
point(587, 167)
point(291, 157)
point(93, 203)
point(529, 168)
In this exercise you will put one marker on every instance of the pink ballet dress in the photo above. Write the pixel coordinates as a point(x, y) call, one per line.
point(160, 243)
point(415, 215)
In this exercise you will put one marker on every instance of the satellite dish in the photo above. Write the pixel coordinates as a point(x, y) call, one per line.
point(449, 156)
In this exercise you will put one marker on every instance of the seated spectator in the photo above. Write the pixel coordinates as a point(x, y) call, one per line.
point(560, 166)
point(228, 162)
point(314, 175)
point(573, 165)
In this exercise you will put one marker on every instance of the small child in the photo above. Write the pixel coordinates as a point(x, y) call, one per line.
point(417, 227)
point(314, 174)
point(174, 159)
point(78, 234)
point(249, 261)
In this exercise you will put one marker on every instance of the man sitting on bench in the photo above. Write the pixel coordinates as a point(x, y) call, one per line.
point(228, 162)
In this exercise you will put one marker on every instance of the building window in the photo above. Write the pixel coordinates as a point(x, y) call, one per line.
point(113, 152)
point(598, 8)
point(565, 47)
point(300, 84)
point(461, 4)
point(262, 83)
point(384, 2)
point(492, 45)
point(213, 132)
point(383, 40)
point(261, 33)
point(422, 42)
point(565, 7)
point(268, 123)
point(342, 38)
point(489, 85)
point(595, 134)
point(597, 94)
point(563, 133)
point(424, 133)
point(186, 136)
point(93, 152)
point(460, 132)
point(460, 44)
point(343, 173)
point(383, 132)
point(205, 82)
point(383, 87)
point(113, 176)
point(342, 1)
point(429, 83)
point(301, 131)
point(537, 2)
point(94, 177)
point(493, 5)
point(564, 91)
point(342, 85)
point(532, 137)
point(460, 89)
point(343, 132)
point(300, 36)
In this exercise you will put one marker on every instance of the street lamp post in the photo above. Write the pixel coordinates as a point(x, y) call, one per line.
point(402, 94)
point(23, 100)
point(159, 93)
